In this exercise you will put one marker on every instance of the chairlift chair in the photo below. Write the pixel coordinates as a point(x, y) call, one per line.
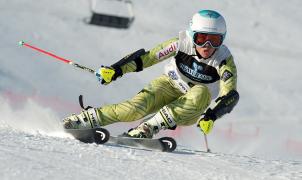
point(112, 13)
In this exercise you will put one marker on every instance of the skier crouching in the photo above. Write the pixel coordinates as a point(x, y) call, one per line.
point(182, 95)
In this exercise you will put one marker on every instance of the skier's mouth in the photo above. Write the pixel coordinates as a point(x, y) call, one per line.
point(207, 50)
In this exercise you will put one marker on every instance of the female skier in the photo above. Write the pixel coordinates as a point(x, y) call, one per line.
point(199, 61)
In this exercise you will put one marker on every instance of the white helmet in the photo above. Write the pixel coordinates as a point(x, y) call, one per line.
point(207, 21)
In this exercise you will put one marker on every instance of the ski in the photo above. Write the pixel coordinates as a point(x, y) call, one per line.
point(96, 135)
point(101, 136)
point(165, 144)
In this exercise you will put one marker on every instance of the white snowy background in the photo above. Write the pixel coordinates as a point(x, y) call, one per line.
point(260, 139)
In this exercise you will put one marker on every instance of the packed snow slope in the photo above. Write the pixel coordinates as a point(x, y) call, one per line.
point(260, 139)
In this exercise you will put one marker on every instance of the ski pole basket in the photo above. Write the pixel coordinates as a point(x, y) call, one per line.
point(112, 13)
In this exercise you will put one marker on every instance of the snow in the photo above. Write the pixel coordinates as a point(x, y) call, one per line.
point(260, 139)
point(45, 157)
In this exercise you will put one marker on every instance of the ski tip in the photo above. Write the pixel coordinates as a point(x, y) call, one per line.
point(101, 135)
point(169, 144)
point(21, 43)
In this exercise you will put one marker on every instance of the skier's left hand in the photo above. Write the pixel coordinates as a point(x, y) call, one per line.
point(206, 123)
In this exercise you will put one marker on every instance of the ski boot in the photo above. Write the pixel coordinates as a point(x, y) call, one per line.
point(87, 119)
point(144, 130)
point(162, 120)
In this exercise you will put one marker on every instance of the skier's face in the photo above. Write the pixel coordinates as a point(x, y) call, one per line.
point(205, 51)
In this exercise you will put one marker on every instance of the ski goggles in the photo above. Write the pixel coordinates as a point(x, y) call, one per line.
point(201, 39)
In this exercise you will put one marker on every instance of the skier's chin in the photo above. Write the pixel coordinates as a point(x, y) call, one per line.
point(206, 54)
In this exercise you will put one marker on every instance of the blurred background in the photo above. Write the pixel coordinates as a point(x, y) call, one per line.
point(36, 91)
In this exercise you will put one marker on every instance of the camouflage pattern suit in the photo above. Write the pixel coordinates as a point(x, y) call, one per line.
point(183, 92)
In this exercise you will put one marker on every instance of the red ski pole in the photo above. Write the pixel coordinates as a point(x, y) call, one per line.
point(22, 43)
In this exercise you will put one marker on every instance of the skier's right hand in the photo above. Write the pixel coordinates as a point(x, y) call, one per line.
point(106, 75)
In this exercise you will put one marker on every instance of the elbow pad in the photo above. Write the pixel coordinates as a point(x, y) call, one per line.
point(225, 104)
point(135, 56)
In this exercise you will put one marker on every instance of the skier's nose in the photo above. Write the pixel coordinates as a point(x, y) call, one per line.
point(207, 45)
